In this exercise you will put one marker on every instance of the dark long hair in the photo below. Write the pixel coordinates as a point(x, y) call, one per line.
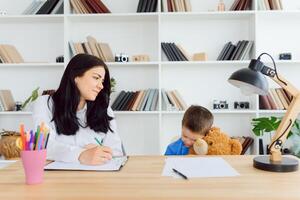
point(67, 97)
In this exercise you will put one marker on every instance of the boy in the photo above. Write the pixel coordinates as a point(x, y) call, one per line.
point(196, 123)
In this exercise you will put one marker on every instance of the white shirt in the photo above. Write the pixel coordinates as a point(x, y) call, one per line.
point(67, 148)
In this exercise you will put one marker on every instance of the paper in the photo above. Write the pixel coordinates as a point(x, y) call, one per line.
point(113, 165)
point(199, 167)
point(6, 163)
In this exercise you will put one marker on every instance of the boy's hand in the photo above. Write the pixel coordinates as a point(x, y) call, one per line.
point(95, 155)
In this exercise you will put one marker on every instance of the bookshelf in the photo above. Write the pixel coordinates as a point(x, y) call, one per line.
point(41, 38)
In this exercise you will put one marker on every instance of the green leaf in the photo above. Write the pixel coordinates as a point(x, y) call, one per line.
point(33, 97)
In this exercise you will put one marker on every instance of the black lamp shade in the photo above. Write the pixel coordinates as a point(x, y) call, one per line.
point(250, 81)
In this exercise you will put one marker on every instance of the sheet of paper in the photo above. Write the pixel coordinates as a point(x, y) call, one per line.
point(6, 163)
point(199, 167)
point(113, 165)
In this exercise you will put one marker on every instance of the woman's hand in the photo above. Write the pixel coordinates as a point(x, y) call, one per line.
point(95, 155)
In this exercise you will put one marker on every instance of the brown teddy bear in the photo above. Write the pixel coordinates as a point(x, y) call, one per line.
point(216, 143)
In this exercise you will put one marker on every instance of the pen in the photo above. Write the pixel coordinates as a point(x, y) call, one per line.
point(100, 143)
point(180, 174)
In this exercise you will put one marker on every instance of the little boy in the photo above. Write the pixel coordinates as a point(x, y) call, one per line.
point(196, 123)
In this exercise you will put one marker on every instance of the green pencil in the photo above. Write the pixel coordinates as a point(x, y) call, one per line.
point(100, 143)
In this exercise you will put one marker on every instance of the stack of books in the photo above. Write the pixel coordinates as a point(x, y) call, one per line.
point(176, 5)
point(7, 102)
point(45, 7)
point(88, 6)
point(9, 54)
point(92, 47)
point(172, 101)
point(269, 5)
point(241, 5)
point(147, 6)
point(240, 51)
point(276, 99)
point(142, 100)
point(174, 52)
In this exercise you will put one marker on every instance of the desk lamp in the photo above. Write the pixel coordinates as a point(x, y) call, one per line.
point(253, 80)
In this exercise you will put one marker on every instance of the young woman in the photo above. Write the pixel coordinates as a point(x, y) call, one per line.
point(78, 112)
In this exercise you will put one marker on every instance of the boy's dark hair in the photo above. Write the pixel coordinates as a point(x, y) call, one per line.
point(198, 119)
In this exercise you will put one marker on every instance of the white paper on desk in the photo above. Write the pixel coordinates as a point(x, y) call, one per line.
point(6, 163)
point(113, 165)
point(199, 167)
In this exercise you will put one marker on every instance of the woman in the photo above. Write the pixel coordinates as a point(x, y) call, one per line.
point(78, 112)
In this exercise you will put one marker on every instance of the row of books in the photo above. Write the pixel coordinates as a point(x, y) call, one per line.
point(92, 47)
point(240, 51)
point(147, 6)
point(176, 5)
point(9, 54)
point(276, 99)
point(174, 52)
point(246, 142)
point(45, 7)
point(241, 5)
point(7, 102)
point(88, 6)
point(172, 101)
point(142, 100)
point(269, 5)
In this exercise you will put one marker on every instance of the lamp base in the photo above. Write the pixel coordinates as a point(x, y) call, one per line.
point(285, 165)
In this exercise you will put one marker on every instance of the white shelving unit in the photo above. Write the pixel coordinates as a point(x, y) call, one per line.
point(41, 38)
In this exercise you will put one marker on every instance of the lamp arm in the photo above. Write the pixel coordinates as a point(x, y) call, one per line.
point(288, 120)
point(285, 85)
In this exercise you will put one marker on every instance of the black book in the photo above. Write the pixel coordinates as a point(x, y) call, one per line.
point(119, 106)
point(173, 57)
point(221, 55)
point(148, 6)
point(166, 51)
point(183, 58)
point(84, 48)
point(235, 50)
point(144, 5)
point(226, 50)
point(153, 5)
point(177, 54)
point(241, 49)
point(130, 96)
point(229, 52)
point(139, 8)
point(118, 99)
point(176, 57)
point(47, 7)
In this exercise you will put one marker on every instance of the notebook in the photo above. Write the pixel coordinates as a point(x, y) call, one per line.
point(114, 164)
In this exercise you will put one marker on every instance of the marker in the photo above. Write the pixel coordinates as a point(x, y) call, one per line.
point(100, 143)
point(180, 174)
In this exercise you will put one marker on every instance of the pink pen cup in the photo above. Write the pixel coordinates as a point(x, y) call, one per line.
point(33, 163)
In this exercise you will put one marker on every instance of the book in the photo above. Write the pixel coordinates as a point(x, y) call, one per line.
point(143, 104)
point(47, 7)
point(58, 9)
point(222, 53)
point(150, 99)
point(155, 100)
point(117, 100)
point(7, 100)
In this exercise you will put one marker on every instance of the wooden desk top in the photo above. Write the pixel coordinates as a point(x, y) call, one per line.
point(141, 179)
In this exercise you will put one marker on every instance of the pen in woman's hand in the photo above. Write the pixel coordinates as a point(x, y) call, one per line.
point(100, 143)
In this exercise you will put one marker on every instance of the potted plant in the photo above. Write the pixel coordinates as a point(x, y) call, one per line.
point(34, 95)
point(270, 124)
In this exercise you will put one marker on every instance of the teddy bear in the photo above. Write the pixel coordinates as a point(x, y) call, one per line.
point(216, 143)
